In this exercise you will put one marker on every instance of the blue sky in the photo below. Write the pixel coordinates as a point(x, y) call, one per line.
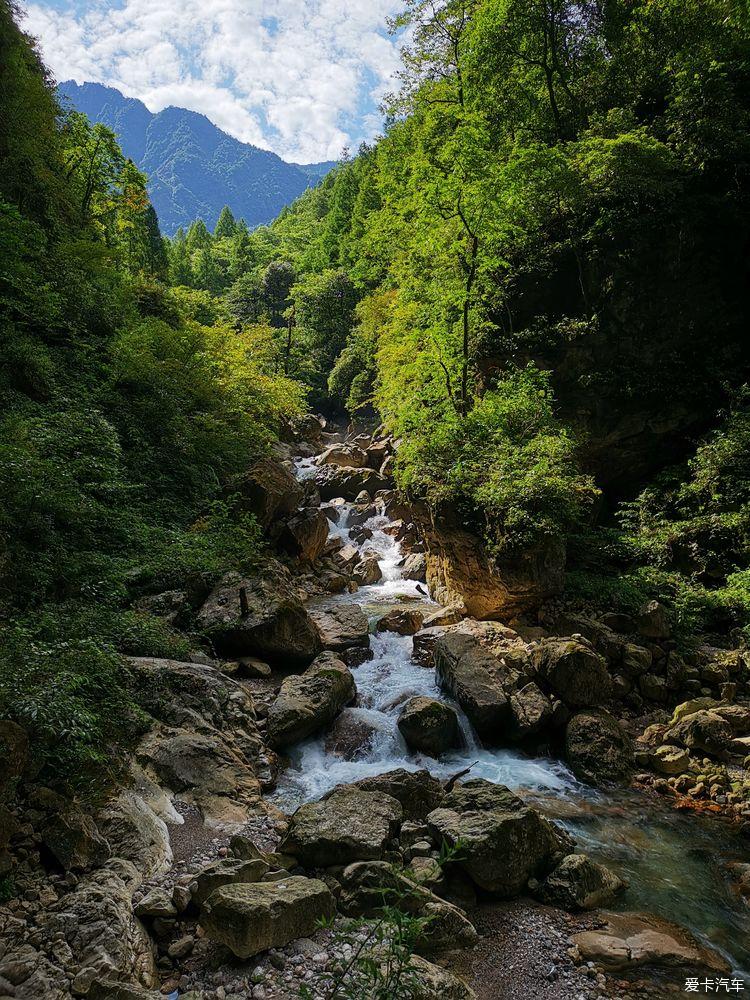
point(301, 77)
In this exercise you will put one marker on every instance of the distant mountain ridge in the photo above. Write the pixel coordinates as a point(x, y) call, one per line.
point(194, 168)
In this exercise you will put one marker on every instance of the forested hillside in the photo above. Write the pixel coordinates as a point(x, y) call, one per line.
point(192, 167)
point(123, 415)
point(538, 280)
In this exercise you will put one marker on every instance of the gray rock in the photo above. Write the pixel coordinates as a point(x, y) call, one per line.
point(350, 825)
point(597, 748)
point(473, 674)
point(531, 712)
point(429, 725)
point(573, 670)
point(226, 871)
point(274, 626)
point(342, 626)
point(579, 884)
point(249, 919)
point(309, 702)
point(502, 842)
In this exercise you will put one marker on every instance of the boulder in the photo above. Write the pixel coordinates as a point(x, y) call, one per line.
point(670, 760)
point(368, 571)
point(704, 731)
point(350, 825)
point(573, 670)
point(344, 455)
point(305, 535)
point(429, 725)
point(269, 491)
point(202, 769)
point(597, 748)
point(414, 567)
point(342, 626)
point(249, 919)
point(191, 695)
point(502, 842)
point(251, 666)
point(738, 717)
point(310, 701)
point(653, 622)
point(472, 674)
point(405, 621)
point(630, 940)
point(348, 482)
point(531, 712)
point(367, 886)
point(156, 903)
point(134, 832)
point(635, 661)
point(653, 687)
point(273, 625)
point(74, 840)
point(431, 981)
point(351, 735)
point(96, 920)
point(226, 871)
point(308, 427)
point(578, 883)
point(417, 791)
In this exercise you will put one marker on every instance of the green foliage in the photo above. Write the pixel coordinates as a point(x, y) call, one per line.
point(126, 410)
point(508, 465)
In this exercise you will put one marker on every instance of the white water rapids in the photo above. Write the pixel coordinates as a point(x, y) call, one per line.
point(674, 863)
point(386, 682)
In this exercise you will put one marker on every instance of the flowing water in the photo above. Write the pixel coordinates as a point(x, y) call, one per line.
point(672, 861)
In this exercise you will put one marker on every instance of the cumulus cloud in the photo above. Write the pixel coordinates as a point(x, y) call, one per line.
point(300, 77)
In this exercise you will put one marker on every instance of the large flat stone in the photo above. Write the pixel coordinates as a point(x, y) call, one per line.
point(249, 919)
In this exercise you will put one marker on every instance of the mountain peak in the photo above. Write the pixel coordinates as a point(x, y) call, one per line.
point(194, 168)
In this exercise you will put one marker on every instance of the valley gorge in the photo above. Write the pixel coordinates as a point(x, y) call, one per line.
point(279, 785)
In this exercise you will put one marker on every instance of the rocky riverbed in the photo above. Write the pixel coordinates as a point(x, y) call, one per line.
point(347, 736)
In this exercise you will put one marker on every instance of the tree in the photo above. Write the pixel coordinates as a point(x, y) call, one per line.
point(207, 274)
point(244, 301)
point(324, 318)
point(226, 225)
point(276, 285)
point(180, 269)
point(157, 257)
point(198, 236)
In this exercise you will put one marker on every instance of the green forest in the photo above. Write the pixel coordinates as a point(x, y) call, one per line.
point(548, 244)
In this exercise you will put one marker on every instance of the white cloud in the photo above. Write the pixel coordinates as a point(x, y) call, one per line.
point(301, 77)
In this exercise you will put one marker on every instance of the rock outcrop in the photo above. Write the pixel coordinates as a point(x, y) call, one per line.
point(459, 572)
